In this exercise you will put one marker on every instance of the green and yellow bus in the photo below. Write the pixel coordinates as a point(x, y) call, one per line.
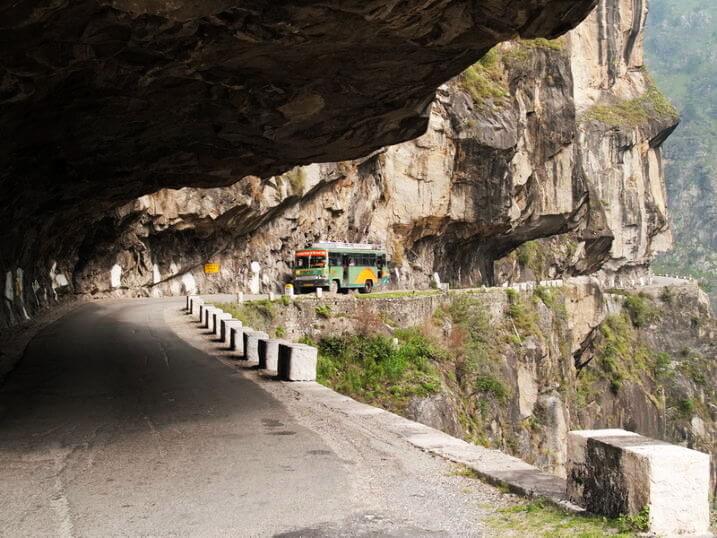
point(341, 267)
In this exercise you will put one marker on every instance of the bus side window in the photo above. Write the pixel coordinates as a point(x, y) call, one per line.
point(334, 260)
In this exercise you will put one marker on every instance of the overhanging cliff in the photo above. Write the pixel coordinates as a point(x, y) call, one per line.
point(550, 140)
point(102, 102)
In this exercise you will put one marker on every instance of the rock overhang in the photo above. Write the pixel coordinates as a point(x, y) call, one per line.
point(101, 102)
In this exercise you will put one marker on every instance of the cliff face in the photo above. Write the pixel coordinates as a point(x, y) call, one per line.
point(556, 141)
point(104, 101)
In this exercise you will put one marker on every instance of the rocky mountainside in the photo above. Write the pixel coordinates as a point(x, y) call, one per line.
point(104, 101)
point(542, 159)
point(687, 69)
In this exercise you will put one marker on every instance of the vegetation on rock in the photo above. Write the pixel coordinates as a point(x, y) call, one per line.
point(259, 315)
point(485, 81)
point(376, 370)
point(651, 106)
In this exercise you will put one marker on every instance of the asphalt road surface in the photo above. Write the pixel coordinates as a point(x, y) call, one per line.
point(113, 425)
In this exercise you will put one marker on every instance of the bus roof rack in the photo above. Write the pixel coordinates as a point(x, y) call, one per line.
point(338, 244)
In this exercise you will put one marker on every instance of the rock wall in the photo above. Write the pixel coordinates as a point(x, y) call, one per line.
point(522, 146)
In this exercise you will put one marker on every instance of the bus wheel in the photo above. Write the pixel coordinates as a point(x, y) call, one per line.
point(367, 287)
point(334, 287)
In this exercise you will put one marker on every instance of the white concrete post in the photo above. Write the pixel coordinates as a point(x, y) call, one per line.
point(254, 281)
point(213, 321)
point(195, 302)
point(269, 353)
point(208, 315)
point(297, 362)
point(319, 292)
point(236, 339)
point(226, 327)
point(218, 320)
point(251, 345)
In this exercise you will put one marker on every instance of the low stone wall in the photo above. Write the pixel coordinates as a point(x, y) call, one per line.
point(312, 316)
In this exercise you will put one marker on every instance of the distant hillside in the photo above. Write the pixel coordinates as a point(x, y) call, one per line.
point(681, 50)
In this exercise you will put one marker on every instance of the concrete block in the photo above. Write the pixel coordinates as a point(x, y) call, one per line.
point(194, 303)
point(297, 362)
point(269, 353)
point(218, 318)
point(208, 312)
point(615, 472)
point(236, 339)
point(203, 314)
point(251, 344)
point(225, 330)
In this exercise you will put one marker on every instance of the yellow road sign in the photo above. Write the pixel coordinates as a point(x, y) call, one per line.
point(211, 268)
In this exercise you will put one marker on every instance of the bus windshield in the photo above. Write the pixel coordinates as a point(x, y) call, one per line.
point(305, 260)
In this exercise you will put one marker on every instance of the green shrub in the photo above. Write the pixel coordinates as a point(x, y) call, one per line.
point(619, 355)
point(667, 295)
point(512, 295)
point(489, 385)
point(639, 522)
point(686, 407)
point(524, 317)
point(640, 309)
point(324, 311)
point(531, 256)
point(375, 370)
point(663, 362)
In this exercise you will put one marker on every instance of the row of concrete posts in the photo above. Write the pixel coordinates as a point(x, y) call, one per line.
point(288, 360)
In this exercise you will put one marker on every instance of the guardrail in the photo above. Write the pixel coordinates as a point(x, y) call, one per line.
point(289, 361)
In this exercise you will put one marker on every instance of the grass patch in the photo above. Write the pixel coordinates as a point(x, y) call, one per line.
point(324, 311)
point(256, 314)
point(542, 43)
point(652, 105)
point(484, 81)
point(398, 294)
point(375, 370)
point(538, 518)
